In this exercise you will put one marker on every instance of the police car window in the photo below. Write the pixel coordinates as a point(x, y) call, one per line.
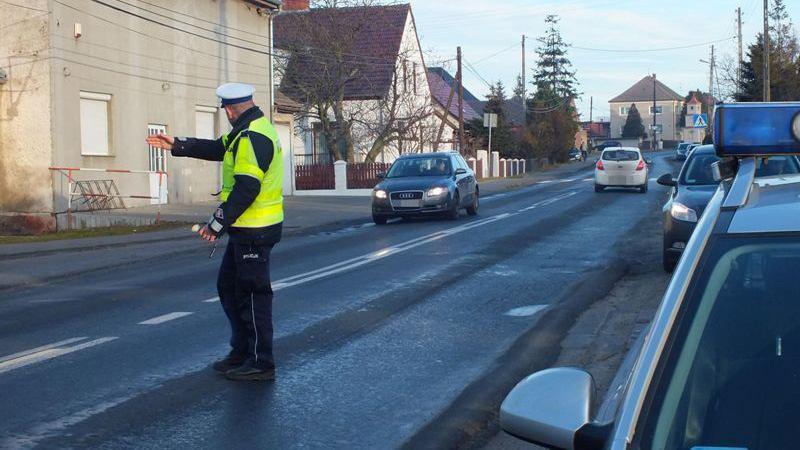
point(698, 170)
point(620, 155)
point(420, 167)
point(732, 376)
point(777, 165)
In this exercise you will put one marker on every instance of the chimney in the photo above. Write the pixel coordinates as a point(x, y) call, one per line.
point(295, 5)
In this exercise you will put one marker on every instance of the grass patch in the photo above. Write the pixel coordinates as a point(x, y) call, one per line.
point(92, 232)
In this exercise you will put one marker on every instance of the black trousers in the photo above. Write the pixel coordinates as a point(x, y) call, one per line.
point(246, 296)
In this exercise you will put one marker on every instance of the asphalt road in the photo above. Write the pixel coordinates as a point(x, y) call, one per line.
point(384, 335)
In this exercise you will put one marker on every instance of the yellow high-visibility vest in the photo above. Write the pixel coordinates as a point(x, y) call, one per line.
point(240, 159)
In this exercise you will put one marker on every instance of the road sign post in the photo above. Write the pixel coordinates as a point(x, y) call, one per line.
point(490, 121)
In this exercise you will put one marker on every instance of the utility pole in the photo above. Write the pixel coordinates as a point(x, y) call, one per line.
point(766, 94)
point(739, 67)
point(711, 88)
point(524, 87)
point(653, 140)
point(591, 110)
point(460, 104)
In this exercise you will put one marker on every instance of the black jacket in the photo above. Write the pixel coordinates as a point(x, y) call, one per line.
point(245, 189)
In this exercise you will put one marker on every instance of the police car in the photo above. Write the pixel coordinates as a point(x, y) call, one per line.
point(719, 367)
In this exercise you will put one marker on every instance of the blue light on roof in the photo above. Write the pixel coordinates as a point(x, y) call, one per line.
point(753, 129)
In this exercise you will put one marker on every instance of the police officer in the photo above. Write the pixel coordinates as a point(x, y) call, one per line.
point(251, 214)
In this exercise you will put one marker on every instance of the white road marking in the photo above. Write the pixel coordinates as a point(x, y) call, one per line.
point(46, 352)
point(211, 300)
point(549, 201)
point(525, 311)
point(165, 318)
point(359, 261)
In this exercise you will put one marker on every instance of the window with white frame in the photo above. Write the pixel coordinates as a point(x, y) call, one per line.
point(205, 122)
point(94, 115)
point(623, 110)
point(658, 110)
point(158, 156)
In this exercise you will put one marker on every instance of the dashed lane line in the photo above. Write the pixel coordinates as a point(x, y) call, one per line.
point(525, 311)
point(49, 351)
point(165, 318)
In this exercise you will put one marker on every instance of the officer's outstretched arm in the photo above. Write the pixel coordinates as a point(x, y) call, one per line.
point(208, 149)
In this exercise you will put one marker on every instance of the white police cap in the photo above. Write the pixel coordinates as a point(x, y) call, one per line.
point(232, 93)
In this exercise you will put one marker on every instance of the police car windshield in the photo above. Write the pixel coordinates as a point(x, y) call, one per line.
point(697, 171)
point(620, 155)
point(420, 167)
point(730, 377)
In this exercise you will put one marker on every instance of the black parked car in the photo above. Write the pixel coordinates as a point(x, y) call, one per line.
point(426, 183)
point(692, 191)
point(607, 144)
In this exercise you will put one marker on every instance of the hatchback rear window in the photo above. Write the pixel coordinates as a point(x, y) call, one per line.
point(620, 155)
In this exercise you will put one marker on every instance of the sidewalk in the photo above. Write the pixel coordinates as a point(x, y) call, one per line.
point(304, 215)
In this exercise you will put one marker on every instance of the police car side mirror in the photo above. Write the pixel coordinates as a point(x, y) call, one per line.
point(667, 180)
point(381, 175)
point(550, 407)
point(461, 171)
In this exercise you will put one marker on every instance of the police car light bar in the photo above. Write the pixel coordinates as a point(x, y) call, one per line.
point(757, 129)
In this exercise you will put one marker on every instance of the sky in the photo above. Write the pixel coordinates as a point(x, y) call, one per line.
point(490, 34)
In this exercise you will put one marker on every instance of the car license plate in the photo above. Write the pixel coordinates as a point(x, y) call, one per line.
point(409, 203)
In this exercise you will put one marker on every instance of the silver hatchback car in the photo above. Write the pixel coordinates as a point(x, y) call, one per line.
point(719, 367)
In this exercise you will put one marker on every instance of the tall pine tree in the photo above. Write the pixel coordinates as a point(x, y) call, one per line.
point(553, 68)
point(784, 58)
point(634, 128)
point(552, 122)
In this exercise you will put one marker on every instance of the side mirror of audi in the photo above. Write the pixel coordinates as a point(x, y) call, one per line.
point(667, 180)
point(461, 171)
point(648, 161)
point(550, 407)
point(381, 175)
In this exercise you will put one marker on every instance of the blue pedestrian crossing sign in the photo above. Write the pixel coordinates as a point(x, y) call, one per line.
point(700, 120)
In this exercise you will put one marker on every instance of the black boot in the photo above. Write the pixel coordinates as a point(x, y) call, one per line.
point(249, 372)
point(231, 361)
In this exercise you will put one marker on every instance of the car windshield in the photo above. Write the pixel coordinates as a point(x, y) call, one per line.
point(420, 167)
point(620, 155)
point(682, 146)
point(698, 168)
point(731, 378)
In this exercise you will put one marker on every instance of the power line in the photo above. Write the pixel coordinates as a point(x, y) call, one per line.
point(645, 50)
point(24, 6)
point(144, 77)
point(198, 18)
point(215, 79)
point(35, 16)
point(388, 62)
point(517, 44)
point(192, 25)
point(169, 60)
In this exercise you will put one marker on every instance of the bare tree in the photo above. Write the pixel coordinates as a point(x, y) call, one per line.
point(347, 62)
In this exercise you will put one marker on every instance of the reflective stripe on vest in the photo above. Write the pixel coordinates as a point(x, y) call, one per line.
point(240, 159)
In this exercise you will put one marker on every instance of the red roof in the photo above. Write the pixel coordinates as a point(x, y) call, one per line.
point(694, 100)
point(440, 83)
point(368, 42)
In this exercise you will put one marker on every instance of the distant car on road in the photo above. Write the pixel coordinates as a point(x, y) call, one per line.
point(575, 155)
point(621, 167)
point(692, 190)
point(425, 184)
point(608, 144)
point(717, 367)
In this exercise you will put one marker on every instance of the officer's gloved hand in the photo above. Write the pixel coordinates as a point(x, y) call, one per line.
point(216, 225)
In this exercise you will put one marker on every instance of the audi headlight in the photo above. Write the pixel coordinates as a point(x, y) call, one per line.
point(682, 212)
point(380, 193)
point(437, 191)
